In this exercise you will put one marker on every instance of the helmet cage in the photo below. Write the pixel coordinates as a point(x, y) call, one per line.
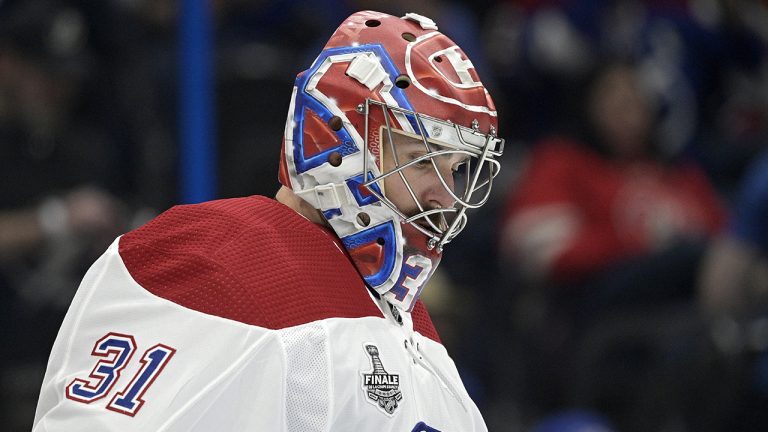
point(441, 225)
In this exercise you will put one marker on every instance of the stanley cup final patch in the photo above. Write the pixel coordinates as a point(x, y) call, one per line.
point(380, 387)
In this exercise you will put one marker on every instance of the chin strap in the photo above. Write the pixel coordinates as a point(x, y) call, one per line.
point(328, 196)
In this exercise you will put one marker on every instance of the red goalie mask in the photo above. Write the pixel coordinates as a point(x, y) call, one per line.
point(392, 136)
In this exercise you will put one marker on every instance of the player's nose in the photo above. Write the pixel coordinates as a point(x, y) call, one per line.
point(439, 191)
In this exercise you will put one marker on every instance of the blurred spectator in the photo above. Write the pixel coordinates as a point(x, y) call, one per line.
point(609, 233)
point(734, 299)
point(703, 69)
point(58, 169)
point(543, 51)
point(56, 164)
point(580, 208)
point(734, 281)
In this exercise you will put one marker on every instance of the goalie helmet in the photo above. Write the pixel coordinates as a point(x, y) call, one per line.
point(392, 136)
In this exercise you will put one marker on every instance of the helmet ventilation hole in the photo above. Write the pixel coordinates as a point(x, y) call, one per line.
point(363, 219)
point(402, 81)
point(438, 59)
point(373, 23)
point(409, 37)
point(334, 159)
point(381, 241)
point(335, 123)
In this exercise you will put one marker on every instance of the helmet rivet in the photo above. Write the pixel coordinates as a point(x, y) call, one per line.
point(402, 81)
point(493, 131)
point(360, 109)
point(335, 123)
point(475, 124)
point(363, 219)
point(431, 244)
point(334, 159)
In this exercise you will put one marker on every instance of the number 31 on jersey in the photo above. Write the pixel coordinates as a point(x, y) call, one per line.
point(115, 351)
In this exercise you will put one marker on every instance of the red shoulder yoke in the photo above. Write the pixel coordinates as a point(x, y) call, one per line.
point(251, 260)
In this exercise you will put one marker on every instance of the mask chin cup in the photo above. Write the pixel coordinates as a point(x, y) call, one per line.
point(373, 252)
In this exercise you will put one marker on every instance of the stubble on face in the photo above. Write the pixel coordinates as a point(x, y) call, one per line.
point(421, 176)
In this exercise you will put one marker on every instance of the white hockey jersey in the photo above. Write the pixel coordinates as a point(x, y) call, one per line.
point(241, 315)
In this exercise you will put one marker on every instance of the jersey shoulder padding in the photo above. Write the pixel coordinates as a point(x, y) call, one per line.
point(250, 259)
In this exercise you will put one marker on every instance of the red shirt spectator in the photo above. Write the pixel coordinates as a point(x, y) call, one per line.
point(575, 211)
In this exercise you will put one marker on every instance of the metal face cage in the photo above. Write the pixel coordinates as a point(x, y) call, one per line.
point(472, 179)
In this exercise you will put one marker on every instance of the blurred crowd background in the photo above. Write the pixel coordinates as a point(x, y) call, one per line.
point(616, 281)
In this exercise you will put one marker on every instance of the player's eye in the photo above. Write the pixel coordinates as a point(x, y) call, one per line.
point(459, 176)
point(459, 168)
point(423, 163)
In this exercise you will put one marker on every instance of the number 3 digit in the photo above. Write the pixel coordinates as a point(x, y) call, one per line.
point(415, 273)
point(117, 350)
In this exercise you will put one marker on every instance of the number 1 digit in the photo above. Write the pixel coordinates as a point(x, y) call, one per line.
point(129, 400)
